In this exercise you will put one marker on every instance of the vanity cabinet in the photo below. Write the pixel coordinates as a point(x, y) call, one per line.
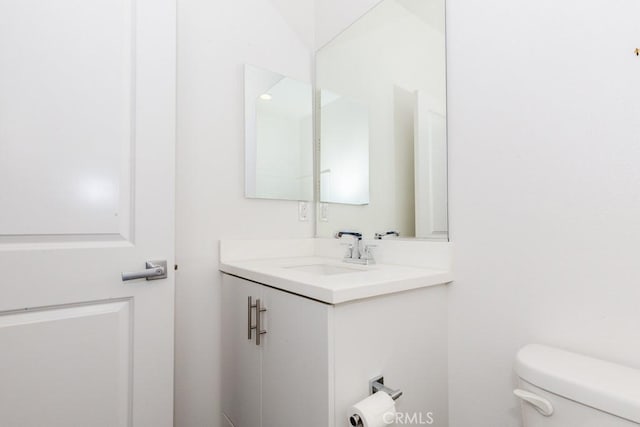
point(316, 359)
point(282, 381)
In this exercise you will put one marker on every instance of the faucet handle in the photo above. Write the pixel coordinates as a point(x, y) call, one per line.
point(368, 255)
point(349, 249)
point(379, 236)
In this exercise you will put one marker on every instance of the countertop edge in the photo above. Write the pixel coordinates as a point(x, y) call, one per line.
point(430, 278)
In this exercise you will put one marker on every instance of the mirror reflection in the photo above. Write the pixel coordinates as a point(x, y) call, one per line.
point(344, 158)
point(392, 61)
point(278, 136)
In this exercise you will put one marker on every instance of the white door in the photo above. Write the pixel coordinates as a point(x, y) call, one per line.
point(430, 155)
point(87, 117)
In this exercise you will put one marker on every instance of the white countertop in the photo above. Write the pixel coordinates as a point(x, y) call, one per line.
point(362, 282)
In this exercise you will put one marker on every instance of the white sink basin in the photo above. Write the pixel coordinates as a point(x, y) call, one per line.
point(323, 269)
point(313, 268)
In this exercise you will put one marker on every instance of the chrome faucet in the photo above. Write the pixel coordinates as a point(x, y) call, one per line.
point(356, 254)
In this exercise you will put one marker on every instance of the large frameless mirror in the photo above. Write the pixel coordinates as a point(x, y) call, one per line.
point(278, 136)
point(382, 115)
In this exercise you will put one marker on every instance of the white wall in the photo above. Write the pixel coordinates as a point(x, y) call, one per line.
point(544, 127)
point(333, 16)
point(214, 40)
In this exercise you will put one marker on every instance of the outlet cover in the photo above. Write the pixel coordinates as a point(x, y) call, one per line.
point(303, 211)
point(324, 212)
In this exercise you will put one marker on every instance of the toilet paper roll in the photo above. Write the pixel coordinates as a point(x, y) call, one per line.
point(377, 410)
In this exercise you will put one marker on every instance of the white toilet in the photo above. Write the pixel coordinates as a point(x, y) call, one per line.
point(563, 389)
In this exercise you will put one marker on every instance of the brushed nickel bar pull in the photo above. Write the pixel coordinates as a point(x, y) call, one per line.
point(258, 327)
point(250, 306)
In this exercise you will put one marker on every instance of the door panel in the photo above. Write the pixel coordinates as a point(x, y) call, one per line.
point(240, 355)
point(87, 126)
point(295, 361)
point(430, 152)
point(79, 353)
point(66, 116)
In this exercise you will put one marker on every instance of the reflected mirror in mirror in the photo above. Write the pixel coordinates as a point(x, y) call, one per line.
point(344, 158)
point(278, 136)
point(392, 60)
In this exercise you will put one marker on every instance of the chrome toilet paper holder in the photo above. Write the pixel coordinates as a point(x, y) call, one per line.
point(355, 421)
point(375, 385)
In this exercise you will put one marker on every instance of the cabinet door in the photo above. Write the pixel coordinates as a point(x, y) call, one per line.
point(240, 355)
point(295, 361)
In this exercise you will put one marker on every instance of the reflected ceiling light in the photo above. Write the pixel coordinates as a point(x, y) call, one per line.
point(266, 97)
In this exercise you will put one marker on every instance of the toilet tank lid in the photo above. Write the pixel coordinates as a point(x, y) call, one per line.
point(603, 385)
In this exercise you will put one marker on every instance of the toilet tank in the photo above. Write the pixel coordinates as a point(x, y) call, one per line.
point(563, 389)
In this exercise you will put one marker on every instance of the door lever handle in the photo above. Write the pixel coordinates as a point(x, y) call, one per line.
point(154, 270)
